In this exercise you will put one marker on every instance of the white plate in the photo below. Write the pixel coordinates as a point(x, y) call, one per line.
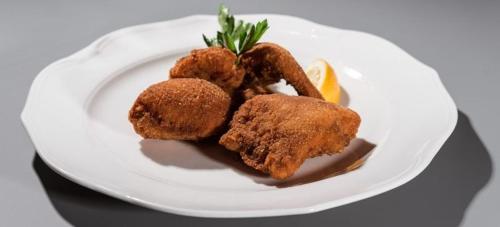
point(76, 115)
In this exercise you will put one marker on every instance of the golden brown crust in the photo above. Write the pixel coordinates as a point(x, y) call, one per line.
point(184, 109)
point(277, 133)
point(249, 91)
point(214, 64)
point(269, 62)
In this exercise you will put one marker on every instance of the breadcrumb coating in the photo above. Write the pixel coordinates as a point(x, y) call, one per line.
point(268, 63)
point(214, 64)
point(277, 133)
point(183, 109)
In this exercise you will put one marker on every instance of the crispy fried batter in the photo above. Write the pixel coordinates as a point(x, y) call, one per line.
point(184, 109)
point(269, 63)
point(277, 133)
point(249, 91)
point(214, 64)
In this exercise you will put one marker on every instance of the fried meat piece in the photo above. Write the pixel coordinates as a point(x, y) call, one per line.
point(268, 63)
point(183, 109)
point(249, 91)
point(277, 133)
point(214, 64)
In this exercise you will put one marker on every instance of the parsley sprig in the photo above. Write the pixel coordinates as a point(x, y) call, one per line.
point(237, 37)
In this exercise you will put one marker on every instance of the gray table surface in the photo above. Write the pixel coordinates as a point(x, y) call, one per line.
point(460, 39)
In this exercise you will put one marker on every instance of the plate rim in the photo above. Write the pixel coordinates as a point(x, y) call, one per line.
point(412, 172)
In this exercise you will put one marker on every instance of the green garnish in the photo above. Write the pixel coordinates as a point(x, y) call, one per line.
point(239, 38)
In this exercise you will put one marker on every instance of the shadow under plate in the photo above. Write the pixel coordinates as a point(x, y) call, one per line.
point(437, 197)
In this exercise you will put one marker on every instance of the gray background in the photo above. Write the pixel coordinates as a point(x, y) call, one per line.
point(460, 39)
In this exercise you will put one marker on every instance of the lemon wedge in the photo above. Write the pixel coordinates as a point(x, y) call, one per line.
point(322, 76)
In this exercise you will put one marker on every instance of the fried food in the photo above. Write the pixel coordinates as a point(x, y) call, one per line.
point(268, 63)
point(272, 133)
point(277, 133)
point(183, 109)
point(214, 64)
point(250, 90)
